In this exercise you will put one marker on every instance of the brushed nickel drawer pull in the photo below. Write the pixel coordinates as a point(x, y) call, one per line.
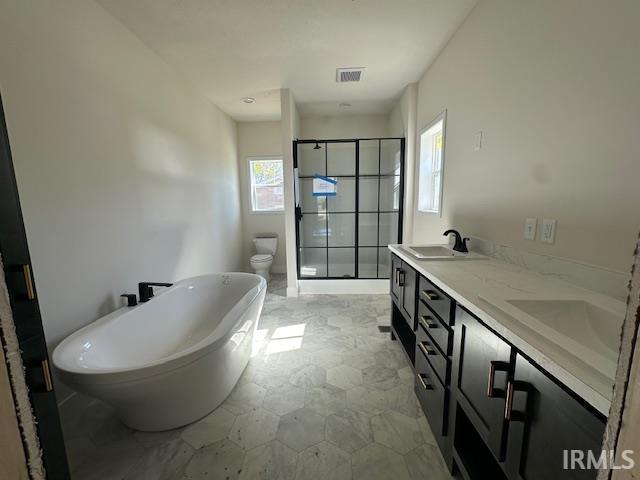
point(426, 348)
point(401, 278)
point(46, 373)
point(508, 405)
point(428, 322)
point(28, 282)
point(509, 414)
point(424, 380)
point(430, 294)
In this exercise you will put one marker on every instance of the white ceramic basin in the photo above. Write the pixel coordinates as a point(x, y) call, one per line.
point(590, 332)
point(438, 252)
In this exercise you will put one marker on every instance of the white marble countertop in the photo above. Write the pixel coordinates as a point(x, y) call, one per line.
point(466, 281)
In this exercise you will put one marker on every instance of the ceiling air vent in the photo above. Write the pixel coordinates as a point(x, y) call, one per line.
point(344, 75)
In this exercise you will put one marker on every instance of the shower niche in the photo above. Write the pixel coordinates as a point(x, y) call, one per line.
point(349, 196)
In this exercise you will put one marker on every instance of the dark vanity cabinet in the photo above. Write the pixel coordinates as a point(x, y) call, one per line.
point(396, 287)
point(481, 370)
point(403, 289)
point(545, 420)
point(494, 413)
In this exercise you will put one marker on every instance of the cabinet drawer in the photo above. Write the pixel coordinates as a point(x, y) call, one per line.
point(425, 347)
point(433, 397)
point(436, 299)
point(435, 328)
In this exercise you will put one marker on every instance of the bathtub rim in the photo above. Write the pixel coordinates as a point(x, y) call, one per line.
point(74, 375)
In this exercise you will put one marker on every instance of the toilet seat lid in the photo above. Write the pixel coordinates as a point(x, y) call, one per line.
point(261, 257)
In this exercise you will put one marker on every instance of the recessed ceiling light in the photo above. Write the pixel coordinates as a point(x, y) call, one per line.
point(344, 105)
point(249, 100)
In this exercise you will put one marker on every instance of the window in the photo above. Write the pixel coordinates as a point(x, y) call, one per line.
point(267, 180)
point(431, 165)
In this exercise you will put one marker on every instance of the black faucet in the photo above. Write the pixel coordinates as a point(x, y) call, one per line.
point(131, 299)
point(459, 246)
point(145, 289)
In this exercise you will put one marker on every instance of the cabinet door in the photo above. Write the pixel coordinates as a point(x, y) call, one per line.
point(545, 421)
point(409, 294)
point(482, 369)
point(396, 269)
point(23, 297)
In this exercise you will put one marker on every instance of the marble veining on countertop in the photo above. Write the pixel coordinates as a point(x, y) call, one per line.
point(469, 281)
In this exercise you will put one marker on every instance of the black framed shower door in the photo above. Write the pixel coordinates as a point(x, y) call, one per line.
point(345, 235)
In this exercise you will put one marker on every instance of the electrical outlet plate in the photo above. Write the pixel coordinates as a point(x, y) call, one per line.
point(530, 225)
point(548, 234)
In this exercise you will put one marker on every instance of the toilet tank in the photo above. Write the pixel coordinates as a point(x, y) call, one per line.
point(266, 243)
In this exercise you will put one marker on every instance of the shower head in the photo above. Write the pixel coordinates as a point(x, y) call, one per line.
point(317, 147)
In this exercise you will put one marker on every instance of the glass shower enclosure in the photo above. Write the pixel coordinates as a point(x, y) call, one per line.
point(349, 196)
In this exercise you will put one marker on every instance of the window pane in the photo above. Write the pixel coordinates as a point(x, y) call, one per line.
point(389, 193)
point(369, 157)
point(311, 160)
point(369, 194)
point(267, 193)
point(313, 231)
point(308, 202)
point(367, 262)
point(390, 157)
point(342, 262)
point(368, 229)
point(267, 172)
point(341, 158)
point(342, 229)
point(431, 165)
point(345, 198)
point(313, 262)
point(269, 198)
point(388, 228)
point(384, 264)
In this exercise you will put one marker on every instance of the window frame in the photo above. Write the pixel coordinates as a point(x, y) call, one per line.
point(250, 184)
point(442, 117)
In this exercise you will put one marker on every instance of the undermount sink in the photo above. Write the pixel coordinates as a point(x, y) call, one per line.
point(438, 252)
point(588, 331)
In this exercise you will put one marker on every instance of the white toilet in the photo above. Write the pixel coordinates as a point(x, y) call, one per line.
point(266, 246)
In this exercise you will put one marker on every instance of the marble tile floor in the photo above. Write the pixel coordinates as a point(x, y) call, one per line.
point(326, 396)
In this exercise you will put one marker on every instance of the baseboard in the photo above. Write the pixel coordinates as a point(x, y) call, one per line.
point(344, 287)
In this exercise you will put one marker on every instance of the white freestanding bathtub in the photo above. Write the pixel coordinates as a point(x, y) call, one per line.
point(172, 360)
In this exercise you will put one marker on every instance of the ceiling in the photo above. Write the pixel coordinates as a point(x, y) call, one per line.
point(232, 49)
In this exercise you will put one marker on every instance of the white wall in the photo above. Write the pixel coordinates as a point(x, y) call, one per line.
point(554, 87)
point(257, 139)
point(344, 126)
point(290, 129)
point(402, 123)
point(125, 173)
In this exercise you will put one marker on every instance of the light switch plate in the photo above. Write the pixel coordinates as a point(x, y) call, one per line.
point(477, 141)
point(548, 234)
point(530, 225)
